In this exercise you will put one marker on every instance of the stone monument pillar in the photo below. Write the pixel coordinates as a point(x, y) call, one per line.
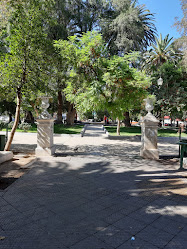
point(149, 128)
point(45, 127)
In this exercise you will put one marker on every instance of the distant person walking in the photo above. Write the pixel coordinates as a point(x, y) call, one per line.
point(105, 119)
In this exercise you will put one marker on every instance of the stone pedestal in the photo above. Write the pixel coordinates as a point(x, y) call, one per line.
point(149, 128)
point(45, 146)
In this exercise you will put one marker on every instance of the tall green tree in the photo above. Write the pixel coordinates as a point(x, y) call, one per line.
point(162, 51)
point(70, 17)
point(85, 15)
point(4, 17)
point(172, 95)
point(23, 69)
point(181, 26)
point(128, 26)
point(99, 82)
point(124, 24)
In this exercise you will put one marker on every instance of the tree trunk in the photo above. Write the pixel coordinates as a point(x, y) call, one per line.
point(171, 121)
point(71, 114)
point(59, 112)
point(29, 117)
point(127, 120)
point(118, 127)
point(9, 142)
point(10, 117)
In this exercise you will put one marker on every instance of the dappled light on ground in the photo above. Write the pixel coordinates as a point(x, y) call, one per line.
point(98, 191)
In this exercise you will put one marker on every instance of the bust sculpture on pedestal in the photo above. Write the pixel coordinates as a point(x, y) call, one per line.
point(45, 128)
point(149, 129)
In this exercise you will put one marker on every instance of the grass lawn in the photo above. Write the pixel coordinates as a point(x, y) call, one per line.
point(66, 129)
point(136, 130)
point(58, 129)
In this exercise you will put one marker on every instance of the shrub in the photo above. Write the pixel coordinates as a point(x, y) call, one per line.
point(10, 125)
point(24, 126)
point(2, 125)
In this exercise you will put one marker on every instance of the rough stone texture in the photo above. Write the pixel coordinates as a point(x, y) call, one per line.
point(45, 145)
point(149, 137)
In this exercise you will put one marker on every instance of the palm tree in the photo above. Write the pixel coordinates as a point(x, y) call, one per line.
point(162, 51)
point(129, 27)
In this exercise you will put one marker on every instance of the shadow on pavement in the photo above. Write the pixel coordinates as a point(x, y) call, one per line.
point(96, 203)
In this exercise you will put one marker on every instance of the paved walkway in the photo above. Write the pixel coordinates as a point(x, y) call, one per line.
point(97, 193)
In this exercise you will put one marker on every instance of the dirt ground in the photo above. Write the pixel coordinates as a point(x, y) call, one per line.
point(12, 170)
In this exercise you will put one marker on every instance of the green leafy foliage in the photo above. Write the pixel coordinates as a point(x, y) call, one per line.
point(24, 68)
point(2, 125)
point(172, 95)
point(182, 29)
point(162, 51)
point(127, 26)
point(24, 126)
point(10, 125)
point(22, 65)
point(98, 81)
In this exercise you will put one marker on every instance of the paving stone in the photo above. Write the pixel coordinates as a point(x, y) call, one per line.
point(137, 243)
point(91, 200)
point(144, 216)
point(91, 243)
point(70, 237)
point(37, 213)
point(103, 214)
point(9, 225)
point(106, 201)
point(114, 217)
point(168, 225)
point(155, 236)
point(118, 238)
point(130, 225)
point(106, 233)
point(3, 202)
point(96, 224)
point(6, 244)
point(91, 206)
point(179, 218)
point(128, 210)
point(72, 216)
point(182, 236)
point(176, 243)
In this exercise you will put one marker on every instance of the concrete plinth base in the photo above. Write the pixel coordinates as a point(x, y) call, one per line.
point(5, 156)
point(45, 151)
point(149, 129)
point(45, 146)
point(149, 154)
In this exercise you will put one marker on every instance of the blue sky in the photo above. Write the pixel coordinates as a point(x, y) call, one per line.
point(165, 13)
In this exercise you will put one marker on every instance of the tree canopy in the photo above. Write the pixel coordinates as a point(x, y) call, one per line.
point(181, 26)
point(24, 67)
point(127, 26)
point(98, 81)
point(162, 51)
point(172, 95)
